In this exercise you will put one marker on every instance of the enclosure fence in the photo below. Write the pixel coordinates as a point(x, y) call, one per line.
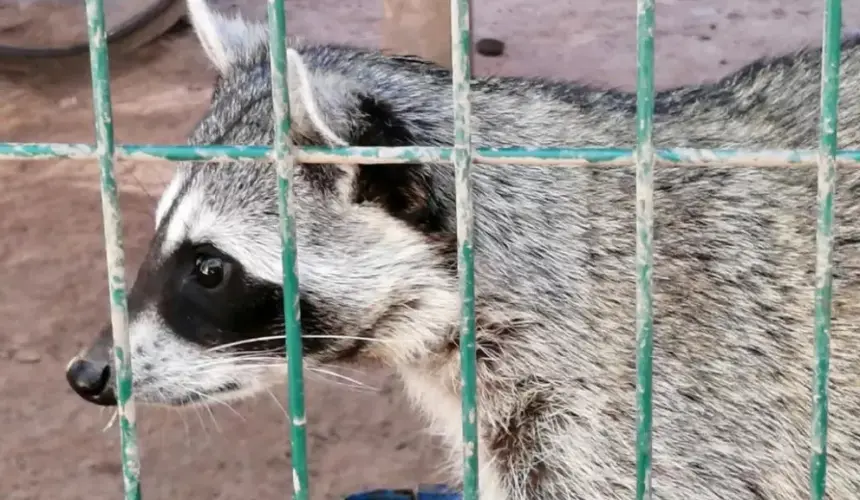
point(462, 155)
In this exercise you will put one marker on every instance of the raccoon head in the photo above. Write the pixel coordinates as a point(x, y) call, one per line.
point(375, 267)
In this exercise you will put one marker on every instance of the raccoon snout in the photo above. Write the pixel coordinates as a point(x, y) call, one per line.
point(91, 380)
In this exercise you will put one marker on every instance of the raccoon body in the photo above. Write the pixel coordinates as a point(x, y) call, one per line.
point(555, 250)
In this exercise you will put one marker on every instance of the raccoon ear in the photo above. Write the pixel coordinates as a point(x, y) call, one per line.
point(304, 101)
point(226, 41)
point(305, 112)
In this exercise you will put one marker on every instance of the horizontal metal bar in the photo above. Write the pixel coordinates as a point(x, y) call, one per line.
point(566, 157)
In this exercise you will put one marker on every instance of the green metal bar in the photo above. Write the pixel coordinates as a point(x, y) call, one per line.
point(115, 256)
point(461, 63)
point(135, 152)
point(286, 206)
point(645, 159)
point(830, 58)
point(550, 157)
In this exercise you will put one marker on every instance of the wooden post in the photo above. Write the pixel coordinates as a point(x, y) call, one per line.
point(418, 27)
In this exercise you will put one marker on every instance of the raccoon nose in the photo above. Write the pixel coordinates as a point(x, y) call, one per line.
point(91, 380)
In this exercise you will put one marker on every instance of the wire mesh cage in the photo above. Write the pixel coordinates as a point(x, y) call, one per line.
point(462, 156)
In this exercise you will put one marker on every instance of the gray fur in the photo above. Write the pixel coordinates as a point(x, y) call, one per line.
point(733, 277)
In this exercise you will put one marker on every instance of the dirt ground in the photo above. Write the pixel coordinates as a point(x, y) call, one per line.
point(53, 297)
point(38, 21)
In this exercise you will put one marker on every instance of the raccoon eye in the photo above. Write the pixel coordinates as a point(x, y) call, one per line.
point(209, 271)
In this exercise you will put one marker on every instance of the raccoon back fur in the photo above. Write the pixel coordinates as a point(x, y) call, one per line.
point(555, 249)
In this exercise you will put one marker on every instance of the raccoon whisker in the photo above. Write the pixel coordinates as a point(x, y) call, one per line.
point(334, 373)
point(131, 171)
point(343, 368)
point(207, 407)
point(181, 415)
point(113, 418)
point(227, 368)
point(220, 401)
point(229, 361)
point(243, 342)
point(326, 379)
point(266, 364)
point(281, 337)
point(242, 355)
point(214, 420)
point(169, 392)
point(200, 419)
point(334, 381)
point(161, 397)
point(184, 425)
point(262, 364)
point(353, 337)
point(208, 365)
point(353, 382)
point(180, 388)
point(278, 403)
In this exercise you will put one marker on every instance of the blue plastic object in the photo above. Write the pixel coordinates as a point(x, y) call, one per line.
point(424, 492)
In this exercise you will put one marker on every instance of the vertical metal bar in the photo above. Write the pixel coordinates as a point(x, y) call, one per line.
point(461, 51)
point(285, 159)
point(830, 58)
point(644, 240)
point(115, 256)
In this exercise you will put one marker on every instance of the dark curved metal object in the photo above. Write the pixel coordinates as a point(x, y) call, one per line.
point(140, 29)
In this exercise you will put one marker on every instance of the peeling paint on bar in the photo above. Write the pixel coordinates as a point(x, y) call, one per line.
point(285, 161)
point(645, 158)
point(112, 220)
point(461, 53)
point(830, 60)
point(549, 157)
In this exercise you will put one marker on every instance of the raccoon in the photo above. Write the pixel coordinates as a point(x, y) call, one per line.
point(733, 278)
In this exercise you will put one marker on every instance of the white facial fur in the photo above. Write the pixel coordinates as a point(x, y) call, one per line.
point(168, 370)
point(254, 245)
